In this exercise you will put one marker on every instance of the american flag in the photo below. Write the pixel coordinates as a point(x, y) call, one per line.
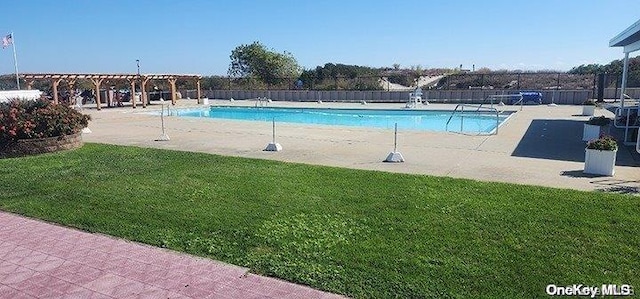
point(7, 41)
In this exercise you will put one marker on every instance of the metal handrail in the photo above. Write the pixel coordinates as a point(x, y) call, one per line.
point(638, 143)
point(628, 118)
point(262, 101)
point(521, 101)
point(627, 125)
point(461, 106)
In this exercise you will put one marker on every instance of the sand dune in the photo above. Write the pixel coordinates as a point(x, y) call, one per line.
point(423, 81)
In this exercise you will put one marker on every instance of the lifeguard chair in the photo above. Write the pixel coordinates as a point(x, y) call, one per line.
point(415, 97)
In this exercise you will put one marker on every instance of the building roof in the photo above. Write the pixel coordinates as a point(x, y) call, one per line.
point(627, 37)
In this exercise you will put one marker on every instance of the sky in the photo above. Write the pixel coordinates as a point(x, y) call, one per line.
point(197, 36)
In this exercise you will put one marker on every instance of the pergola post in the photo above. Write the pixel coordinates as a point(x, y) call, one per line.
point(172, 83)
point(97, 83)
point(199, 93)
point(143, 89)
point(56, 82)
point(29, 84)
point(132, 96)
point(72, 90)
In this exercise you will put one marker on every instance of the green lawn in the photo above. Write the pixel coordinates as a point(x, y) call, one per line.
point(354, 232)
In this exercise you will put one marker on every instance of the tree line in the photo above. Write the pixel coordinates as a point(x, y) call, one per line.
point(254, 66)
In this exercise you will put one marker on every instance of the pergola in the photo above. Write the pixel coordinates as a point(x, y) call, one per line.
point(98, 79)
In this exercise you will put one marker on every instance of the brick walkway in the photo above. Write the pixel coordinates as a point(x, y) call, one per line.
point(41, 260)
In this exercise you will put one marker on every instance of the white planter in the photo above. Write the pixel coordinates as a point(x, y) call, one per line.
point(588, 110)
point(590, 132)
point(600, 162)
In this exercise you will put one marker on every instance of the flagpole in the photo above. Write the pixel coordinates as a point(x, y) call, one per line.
point(15, 59)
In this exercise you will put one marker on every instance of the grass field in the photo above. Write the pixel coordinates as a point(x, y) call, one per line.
point(354, 232)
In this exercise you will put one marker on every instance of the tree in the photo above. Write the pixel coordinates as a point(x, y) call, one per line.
point(257, 62)
point(587, 69)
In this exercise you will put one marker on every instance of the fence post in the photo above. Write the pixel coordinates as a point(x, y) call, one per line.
point(601, 87)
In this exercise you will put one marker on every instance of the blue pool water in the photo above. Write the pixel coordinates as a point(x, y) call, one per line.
point(419, 120)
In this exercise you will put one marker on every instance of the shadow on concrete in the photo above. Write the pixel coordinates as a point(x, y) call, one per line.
point(618, 186)
point(607, 183)
point(579, 174)
point(553, 139)
point(561, 139)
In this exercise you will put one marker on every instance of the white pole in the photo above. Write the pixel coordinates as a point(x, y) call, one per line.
point(273, 121)
point(15, 59)
point(162, 118)
point(395, 139)
point(625, 70)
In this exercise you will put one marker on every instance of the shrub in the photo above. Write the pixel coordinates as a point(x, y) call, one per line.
point(604, 143)
point(599, 121)
point(589, 102)
point(20, 119)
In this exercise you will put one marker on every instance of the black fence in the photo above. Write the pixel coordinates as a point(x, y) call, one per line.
point(399, 81)
point(508, 81)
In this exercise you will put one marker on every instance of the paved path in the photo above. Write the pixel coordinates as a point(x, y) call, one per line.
point(41, 260)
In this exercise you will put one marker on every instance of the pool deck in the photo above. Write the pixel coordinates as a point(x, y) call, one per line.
point(539, 145)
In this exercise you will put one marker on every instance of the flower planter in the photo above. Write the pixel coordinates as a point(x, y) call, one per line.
point(26, 147)
point(591, 132)
point(600, 162)
point(588, 110)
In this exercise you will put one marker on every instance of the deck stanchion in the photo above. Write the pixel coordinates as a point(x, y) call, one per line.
point(164, 136)
point(395, 156)
point(273, 146)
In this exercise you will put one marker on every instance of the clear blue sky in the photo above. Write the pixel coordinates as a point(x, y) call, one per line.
point(197, 36)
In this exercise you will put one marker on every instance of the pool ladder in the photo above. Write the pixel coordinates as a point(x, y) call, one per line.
point(460, 109)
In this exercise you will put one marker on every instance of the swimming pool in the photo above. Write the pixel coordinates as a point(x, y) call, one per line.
point(416, 120)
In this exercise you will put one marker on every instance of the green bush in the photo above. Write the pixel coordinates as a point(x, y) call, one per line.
point(604, 143)
point(20, 119)
point(599, 121)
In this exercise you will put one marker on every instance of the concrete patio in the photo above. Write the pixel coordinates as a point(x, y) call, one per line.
point(540, 145)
